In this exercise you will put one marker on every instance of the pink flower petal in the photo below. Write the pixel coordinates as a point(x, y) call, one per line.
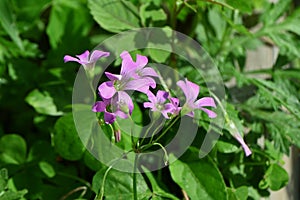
point(68, 58)
point(107, 90)
point(84, 57)
point(113, 77)
point(193, 90)
point(98, 54)
point(239, 138)
point(141, 61)
point(210, 113)
point(128, 66)
point(206, 101)
point(147, 71)
point(109, 118)
point(99, 106)
point(148, 105)
point(151, 97)
point(161, 96)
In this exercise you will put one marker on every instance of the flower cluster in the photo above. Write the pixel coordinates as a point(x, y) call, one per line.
point(136, 76)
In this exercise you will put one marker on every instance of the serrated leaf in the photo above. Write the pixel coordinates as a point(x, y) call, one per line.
point(201, 178)
point(43, 103)
point(274, 11)
point(66, 140)
point(12, 149)
point(114, 16)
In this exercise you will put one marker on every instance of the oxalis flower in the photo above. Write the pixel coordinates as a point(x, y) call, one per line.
point(191, 91)
point(235, 133)
point(133, 76)
point(88, 61)
point(158, 103)
point(120, 105)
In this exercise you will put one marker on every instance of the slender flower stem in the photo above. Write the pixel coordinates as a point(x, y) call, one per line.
point(155, 131)
point(166, 130)
point(147, 131)
point(134, 184)
point(113, 162)
point(165, 152)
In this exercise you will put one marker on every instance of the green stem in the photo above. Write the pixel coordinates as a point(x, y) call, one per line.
point(147, 131)
point(165, 152)
point(166, 130)
point(113, 162)
point(134, 177)
point(154, 132)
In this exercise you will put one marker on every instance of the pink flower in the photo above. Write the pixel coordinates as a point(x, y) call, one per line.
point(85, 59)
point(158, 103)
point(133, 76)
point(191, 91)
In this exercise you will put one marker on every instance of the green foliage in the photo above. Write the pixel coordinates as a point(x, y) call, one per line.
point(200, 178)
point(44, 158)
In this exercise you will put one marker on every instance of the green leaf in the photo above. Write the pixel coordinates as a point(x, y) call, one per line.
point(243, 6)
point(47, 169)
point(118, 185)
point(274, 11)
point(12, 195)
point(3, 179)
point(115, 16)
point(8, 22)
point(12, 149)
point(240, 193)
point(155, 14)
point(91, 162)
point(42, 102)
point(157, 191)
point(226, 147)
point(275, 178)
point(67, 17)
point(200, 178)
point(66, 140)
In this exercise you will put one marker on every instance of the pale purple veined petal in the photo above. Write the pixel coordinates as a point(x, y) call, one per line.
point(147, 71)
point(151, 97)
point(128, 66)
point(191, 114)
point(125, 100)
point(113, 77)
point(161, 96)
point(96, 54)
point(141, 85)
point(193, 90)
point(107, 90)
point(99, 106)
point(109, 118)
point(121, 114)
point(206, 101)
point(149, 105)
point(174, 101)
point(84, 57)
point(165, 114)
point(239, 138)
point(141, 61)
point(210, 113)
point(184, 89)
point(68, 58)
